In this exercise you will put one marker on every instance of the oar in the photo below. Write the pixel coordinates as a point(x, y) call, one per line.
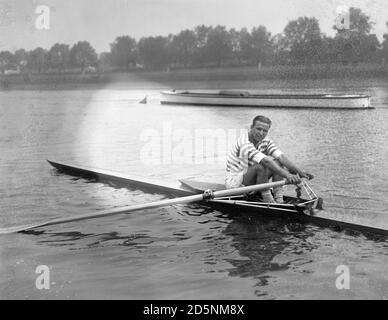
point(156, 204)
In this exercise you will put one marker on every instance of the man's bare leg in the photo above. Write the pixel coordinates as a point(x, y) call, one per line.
point(278, 191)
point(258, 174)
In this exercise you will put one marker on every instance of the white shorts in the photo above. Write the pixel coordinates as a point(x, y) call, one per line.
point(234, 180)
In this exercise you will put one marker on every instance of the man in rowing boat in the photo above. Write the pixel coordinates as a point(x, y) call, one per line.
point(254, 159)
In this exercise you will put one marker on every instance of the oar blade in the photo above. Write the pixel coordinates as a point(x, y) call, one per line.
point(17, 229)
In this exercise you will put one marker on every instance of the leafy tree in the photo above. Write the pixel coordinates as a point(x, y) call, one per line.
point(257, 46)
point(21, 58)
point(357, 43)
point(6, 61)
point(218, 47)
point(359, 22)
point(123, 52)
point(368, 48)
point(201, 33)
point(183, 46)
point(58, 56)
point(235, 42)
point(104, 59)
point(245, 43)
point(281, 51)
point(303, 39)
point(37, 59)
point(82, 54)
point(330, 50)
point(384, 47)
point(153, 51)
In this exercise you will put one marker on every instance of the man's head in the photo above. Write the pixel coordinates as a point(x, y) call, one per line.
point(259, 128)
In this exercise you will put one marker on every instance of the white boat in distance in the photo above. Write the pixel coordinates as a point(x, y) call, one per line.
point(247, 99)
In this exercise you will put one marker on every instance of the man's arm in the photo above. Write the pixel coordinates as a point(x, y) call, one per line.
point(293, 168)
point(274, 167)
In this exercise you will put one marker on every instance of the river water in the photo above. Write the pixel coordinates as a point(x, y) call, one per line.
point(186, 252)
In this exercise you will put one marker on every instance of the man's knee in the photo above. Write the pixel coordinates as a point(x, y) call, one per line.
point(259, 168)
point(278, 163)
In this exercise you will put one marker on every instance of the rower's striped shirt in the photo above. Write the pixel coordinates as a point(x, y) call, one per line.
point(244, 153)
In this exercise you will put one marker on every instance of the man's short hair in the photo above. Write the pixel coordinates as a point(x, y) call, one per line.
point(261, 119)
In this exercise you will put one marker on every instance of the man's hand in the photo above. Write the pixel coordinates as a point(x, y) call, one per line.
point(293, 168)
point(293, 179)
point(306, 175)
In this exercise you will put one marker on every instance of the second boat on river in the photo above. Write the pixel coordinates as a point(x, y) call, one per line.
point(245, 98)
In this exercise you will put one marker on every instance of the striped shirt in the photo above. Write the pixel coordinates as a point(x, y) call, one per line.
point(244, 153)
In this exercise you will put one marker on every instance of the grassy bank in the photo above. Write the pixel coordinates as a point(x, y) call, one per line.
point(56, 81)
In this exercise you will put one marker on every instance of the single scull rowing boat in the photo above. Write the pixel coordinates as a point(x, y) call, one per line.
point(210, 194)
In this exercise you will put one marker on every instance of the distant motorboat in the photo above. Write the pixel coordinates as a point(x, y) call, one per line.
point(247, 99)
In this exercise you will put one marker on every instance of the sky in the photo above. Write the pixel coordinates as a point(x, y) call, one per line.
point(101, 21)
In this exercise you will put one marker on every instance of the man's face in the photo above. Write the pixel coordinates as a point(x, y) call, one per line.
point(259, 131)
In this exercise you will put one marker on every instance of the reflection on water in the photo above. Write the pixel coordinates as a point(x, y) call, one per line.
point(259, 241)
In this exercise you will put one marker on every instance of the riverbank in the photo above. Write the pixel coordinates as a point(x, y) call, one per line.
point(178, 78)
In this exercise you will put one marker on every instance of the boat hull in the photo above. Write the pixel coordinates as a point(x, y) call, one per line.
point(117, 179)
point(306, 210)
point(246, 99)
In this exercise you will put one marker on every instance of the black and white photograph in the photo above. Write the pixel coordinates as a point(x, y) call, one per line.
point(216, 152)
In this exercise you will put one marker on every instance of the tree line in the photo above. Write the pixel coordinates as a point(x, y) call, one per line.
point(300, 43)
